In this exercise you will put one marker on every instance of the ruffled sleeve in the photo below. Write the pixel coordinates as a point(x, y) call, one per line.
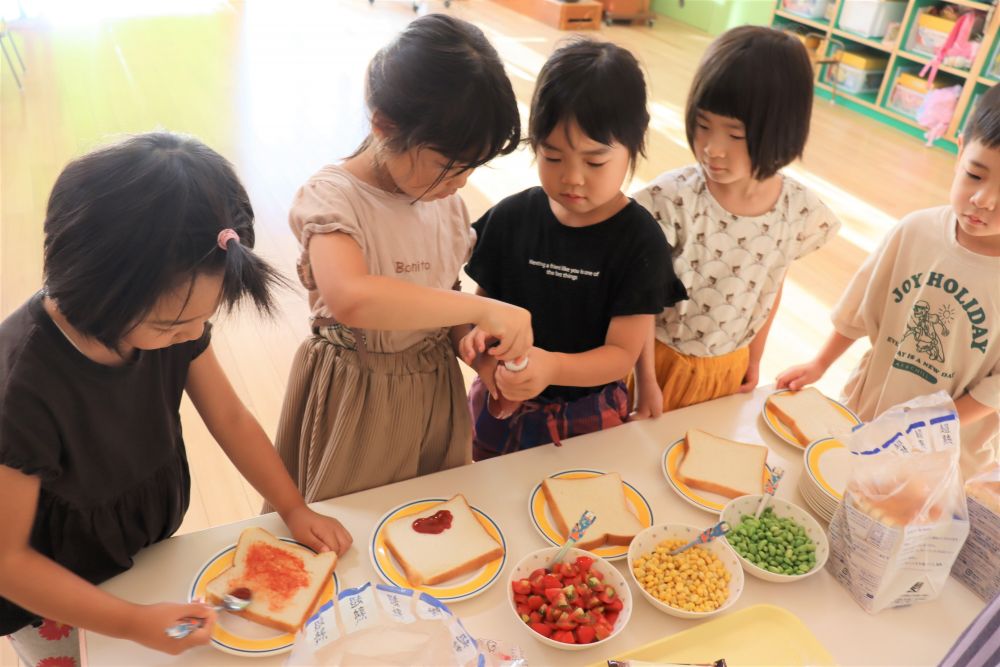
point(321, 207)
point(29, 441)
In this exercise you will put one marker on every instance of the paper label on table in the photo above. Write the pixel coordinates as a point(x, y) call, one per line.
point(397, 603)
point(429, 607)
point(381, 626)
point(322, 628)
point(357, 608)
point(463, 645)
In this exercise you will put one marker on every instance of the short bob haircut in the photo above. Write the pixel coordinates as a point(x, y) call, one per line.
point(440, 84)
point(763, 78)
point(984, 125)
point(599, 85)
point(132, 221)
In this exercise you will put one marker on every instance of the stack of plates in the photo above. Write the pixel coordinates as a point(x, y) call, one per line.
point(827, 466)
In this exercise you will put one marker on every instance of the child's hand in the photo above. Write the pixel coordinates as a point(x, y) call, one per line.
point(317, 531)
point(149, 626)
point(472, 345)
point(649, 400)
point(486, 367)
point(797, 377)
point(509, 324)
point(750, 378)
point(526, 384)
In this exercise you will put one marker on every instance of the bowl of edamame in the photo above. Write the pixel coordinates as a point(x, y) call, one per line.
point(785, 544)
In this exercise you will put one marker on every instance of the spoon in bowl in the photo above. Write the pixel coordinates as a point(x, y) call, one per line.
point(774, 476)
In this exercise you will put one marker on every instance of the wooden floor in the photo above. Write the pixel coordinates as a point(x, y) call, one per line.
point(277, 88)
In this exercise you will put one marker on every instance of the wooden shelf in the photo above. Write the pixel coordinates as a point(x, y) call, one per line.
point(924, 60)
point(984, 6)
point(870, 43)
point(814, 23)
point(870, 103)
point(875, 105)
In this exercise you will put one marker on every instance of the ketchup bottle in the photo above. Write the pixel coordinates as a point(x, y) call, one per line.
point(502, 407)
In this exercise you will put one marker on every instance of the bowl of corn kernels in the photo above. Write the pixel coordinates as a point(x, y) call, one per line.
point(696, 583)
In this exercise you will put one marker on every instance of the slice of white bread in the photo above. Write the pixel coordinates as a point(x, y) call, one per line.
point(722, 466)
point(603, 496)
point(809, 415)
point(285, 580)
point(429, 558)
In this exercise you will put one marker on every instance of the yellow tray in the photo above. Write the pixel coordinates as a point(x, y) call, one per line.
point(752, 637)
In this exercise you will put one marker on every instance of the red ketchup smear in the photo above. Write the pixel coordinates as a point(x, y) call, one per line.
point(274, 572)
point(435, 524)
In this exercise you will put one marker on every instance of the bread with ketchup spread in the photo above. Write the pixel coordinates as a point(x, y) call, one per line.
point(285, 580)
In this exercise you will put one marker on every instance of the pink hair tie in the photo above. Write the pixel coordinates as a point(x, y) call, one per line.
point(225, 236)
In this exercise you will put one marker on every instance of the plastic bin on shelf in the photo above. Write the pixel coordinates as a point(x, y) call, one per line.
point(908, 93)
point(812, 9)
point(929, 33)
point(857, 72)
point(870, 18)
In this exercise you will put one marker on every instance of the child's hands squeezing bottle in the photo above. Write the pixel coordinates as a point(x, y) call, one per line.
point(472, 350)
point(509, 325)
point(531, 380)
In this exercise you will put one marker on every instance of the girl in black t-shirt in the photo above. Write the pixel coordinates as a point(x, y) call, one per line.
point(144, 241)
point(591, 265)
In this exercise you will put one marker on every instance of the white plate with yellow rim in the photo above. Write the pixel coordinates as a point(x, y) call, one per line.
point(236, 635)
point(782, 431)
point(828, 464)
point(541, 517)
point(711, 502)
point(461, 587)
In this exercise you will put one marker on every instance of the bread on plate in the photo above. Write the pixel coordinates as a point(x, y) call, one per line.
point(604, 496)
point(722, 466)
point(285, 580)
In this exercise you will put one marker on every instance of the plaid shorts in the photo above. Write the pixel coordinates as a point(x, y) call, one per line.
point(541, 421)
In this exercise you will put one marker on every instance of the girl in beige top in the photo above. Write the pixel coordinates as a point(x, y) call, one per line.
point(375, 394)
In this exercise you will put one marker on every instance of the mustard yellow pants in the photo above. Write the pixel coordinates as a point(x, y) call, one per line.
point(687, 380)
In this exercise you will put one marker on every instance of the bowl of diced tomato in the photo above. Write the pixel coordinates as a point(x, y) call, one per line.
point(579, 603)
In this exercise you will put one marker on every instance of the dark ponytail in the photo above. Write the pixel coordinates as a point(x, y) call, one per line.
point(129, 222)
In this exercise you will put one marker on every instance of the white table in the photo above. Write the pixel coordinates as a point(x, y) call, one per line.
point(918, 635)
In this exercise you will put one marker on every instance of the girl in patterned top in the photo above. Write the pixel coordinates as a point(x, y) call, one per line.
point(734, 221)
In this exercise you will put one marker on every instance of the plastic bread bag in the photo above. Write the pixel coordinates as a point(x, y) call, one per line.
point(903, 519)
point(384, 625)
point(978, 564)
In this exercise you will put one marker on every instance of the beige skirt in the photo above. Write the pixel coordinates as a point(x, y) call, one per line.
point(352, 421)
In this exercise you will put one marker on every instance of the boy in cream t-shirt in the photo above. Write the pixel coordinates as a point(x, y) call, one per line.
point(928, 299)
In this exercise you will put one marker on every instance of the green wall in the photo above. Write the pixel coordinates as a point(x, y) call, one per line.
point(716, 16)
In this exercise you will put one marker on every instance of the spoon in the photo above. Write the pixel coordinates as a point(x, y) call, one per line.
point(774, 476)
point(236, 600)
point(704, 537)
point(586, 520)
